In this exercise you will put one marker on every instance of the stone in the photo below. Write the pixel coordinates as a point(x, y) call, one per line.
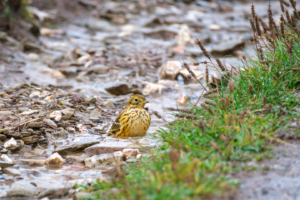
point(50, 123)
point(117, 88)
point(5, 158)
point(228, 47)
point(108, 104)
point(184, 36)
point(33, 162)
point(8, 178)
point(38, 151)
point(77, 146)
point(68, 113)
point(56, 115)
point(22, 189)
point(2, 137)
point(31, 139)
point(71, 129)
point(95, 113)
point(139, 156)
point(169, 70)
point(152, 88)
point(4, 164)
point(54, 159)
point(104, 159)
point(5, 113)
point(130, 153)
point(23, 109)
point(10, 143)
point(183, 99)
point(35, 124)
point(12, 171)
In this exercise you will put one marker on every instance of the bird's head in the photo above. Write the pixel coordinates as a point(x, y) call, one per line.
point(137, 100)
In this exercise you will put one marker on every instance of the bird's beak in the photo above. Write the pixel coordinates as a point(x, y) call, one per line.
point(144, 102)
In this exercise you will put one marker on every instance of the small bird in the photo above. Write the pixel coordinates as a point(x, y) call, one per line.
point(133, 120)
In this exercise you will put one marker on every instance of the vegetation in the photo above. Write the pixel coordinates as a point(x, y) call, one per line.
point(235, 123)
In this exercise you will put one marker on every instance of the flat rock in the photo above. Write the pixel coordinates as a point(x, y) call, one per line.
point(117, 88)
point(227, 47)
point(12, 171)
point(22, 189)
point(75, 147)
point(4, 164)
point(114, 145)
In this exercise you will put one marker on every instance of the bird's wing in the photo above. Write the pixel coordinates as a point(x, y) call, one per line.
point(115, 128)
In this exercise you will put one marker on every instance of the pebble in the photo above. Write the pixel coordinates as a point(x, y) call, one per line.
point(183, 99)
point(23, 109)
point(35, 124)
point(71, 129)
point(56, 115)
point(54, 159)
point(51, 123)
point(130, 153)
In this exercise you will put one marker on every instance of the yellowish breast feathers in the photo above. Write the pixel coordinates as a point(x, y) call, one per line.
point(133, 120)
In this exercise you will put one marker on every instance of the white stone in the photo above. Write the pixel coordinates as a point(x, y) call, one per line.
point(10, 143)
point(56, 115)
point(54, 159)
point(5, 158)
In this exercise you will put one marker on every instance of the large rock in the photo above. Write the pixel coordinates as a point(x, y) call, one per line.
point(22, 189)
point(75, 147)
point(227, 47)
point(117, 88)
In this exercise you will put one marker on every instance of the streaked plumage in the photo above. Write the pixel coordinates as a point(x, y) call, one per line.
point(133, 120)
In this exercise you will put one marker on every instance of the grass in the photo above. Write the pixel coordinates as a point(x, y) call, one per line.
point(236, 123)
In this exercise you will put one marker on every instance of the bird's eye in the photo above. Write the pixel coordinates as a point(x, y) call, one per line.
point(136, 99)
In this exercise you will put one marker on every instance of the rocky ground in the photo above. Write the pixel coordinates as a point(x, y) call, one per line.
point(60, 92)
